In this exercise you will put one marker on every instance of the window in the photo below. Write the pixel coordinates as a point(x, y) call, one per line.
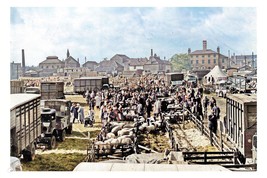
point(196, 56)
point(209, 55)
point(208, 61)
point(214, 55)
point(208, 67)
point(196, 61)
point(202, 61)
point(222, 60)
point(191, 61)
point(214, 61)
point(222, 67)
point(52, 67)
point(202, 56)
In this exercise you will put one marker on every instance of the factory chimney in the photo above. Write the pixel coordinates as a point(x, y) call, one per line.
point(151, 52)
point(23, 63)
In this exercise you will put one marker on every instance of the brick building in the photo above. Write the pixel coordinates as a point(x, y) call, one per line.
point(70, 61)
point(90, 65)
point(156, 65)
point(206, 58)
point(50, 66)
point(15, 70)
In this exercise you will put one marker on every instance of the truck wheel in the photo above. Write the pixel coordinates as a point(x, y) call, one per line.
point(53, 143)
point(62, 135)
point(69, 129)
point(29, 155)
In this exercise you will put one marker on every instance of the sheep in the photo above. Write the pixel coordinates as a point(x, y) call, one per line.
point(124, 131)
point(129, 125)
point(114, 143)
point(150, 128)
point(100, 145)
point(110, 135)
point(157, 123)
point(126, 141)
point(115, 130)
point(107, 146)
point(143, 126)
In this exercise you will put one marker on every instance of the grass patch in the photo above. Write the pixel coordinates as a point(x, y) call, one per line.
point(73, 144)
point(53, 162)
point(93, 134)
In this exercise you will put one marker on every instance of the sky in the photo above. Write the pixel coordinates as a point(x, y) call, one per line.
point(98, 33)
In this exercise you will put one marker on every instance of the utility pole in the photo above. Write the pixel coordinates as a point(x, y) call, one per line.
point(245, 62)
point(228, 62)
point(252, 59)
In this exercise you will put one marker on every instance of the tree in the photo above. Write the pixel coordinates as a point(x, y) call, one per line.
point(180, 62)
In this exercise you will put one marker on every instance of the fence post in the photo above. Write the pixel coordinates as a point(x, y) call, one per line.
point(202, 127)
point(205, 157)
point(211, 137)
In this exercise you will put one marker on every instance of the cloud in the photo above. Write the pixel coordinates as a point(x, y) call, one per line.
point(103, 32)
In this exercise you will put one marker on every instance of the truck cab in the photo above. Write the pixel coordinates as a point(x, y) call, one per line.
point(55, 117)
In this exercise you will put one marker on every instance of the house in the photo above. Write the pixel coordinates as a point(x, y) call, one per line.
point(50, 66)
point(70, 61)
point(207, 58)
point(74, 72)
point(239, 61)
point(109, 67)
point(137, 63)
point(156, 65)
point(90, 65)
point(121, 59)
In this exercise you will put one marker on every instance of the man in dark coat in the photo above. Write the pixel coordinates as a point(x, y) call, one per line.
point(148, 107)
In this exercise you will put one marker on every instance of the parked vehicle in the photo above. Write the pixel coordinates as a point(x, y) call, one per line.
point(52, 90)
point(89, 83)
point(32, 90)
point(241, 122)
point(56, 122)
point(174, 79)
point(25, 124)
point(191, 80)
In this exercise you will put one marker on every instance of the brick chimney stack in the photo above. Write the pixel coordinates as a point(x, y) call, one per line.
point(204, 45)
point(151, 52)
point(189, 50)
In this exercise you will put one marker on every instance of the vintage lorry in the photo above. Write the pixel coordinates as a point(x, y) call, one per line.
point(25, 124)
point(55, 116)
point(89, 83)
point(241, 122)
point(52, 90)
point(174, 79)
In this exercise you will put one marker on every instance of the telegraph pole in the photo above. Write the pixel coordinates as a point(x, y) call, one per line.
point(253, 62)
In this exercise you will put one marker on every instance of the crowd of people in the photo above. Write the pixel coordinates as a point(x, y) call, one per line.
point(146, 95)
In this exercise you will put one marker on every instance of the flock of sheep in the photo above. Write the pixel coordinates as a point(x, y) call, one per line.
point(125, 134)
